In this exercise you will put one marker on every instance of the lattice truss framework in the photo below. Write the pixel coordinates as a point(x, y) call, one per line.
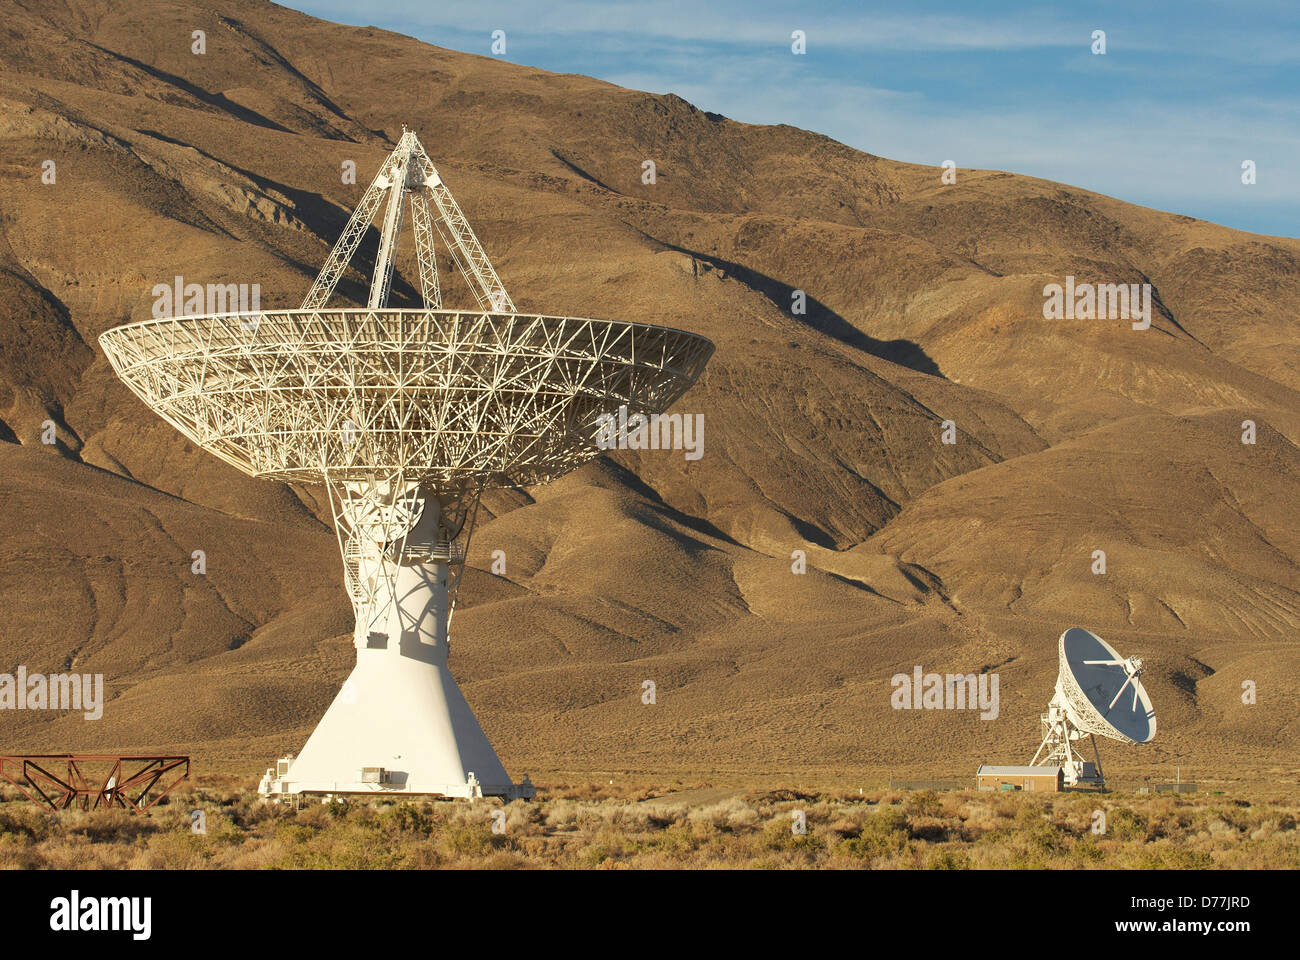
point(391, 408)
point(374, 522)
point(93, 781)
point(440, 395)
point(408, 172)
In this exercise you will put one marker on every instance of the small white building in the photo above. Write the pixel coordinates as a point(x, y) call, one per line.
point(1039, 779)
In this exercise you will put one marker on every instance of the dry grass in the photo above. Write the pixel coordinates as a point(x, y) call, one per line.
point(586, 826)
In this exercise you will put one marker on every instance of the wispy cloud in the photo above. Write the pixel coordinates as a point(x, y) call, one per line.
point(747, 25)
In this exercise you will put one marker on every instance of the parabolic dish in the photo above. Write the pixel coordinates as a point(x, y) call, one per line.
point(446, 397)
point(1091, 689)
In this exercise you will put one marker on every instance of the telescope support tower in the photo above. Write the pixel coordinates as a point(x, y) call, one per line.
point(406, 415)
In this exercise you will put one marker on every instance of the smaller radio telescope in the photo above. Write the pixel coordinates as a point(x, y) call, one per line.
point(406, 416)
point(1098, 693)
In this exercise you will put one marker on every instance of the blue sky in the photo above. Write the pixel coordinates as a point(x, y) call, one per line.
point(1183, 95)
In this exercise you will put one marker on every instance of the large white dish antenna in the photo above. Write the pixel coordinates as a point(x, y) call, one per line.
point(406, 416)
point(1104, 693)
point(1098, 694)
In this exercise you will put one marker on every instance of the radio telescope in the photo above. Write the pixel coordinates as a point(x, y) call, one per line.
point(406, 416)
point(1098, 693)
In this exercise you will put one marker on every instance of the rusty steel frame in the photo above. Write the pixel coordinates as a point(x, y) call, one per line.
point(77, 788)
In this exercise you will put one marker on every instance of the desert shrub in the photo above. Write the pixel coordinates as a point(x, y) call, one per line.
point(293, 834)
point(926, 803)
point(317, 816)
point(1181, 858)
point(15, 857)
point(677, 840)
point(1031, 811)
point(174, 851)
point(222, 830)
point(1045, 837)
point(1166, 856)
point(1124, 823)
point(471, 839)
point(364, 814)
point(996, 830)
point(1032, 840)
point(407, 817)
point(729, 815)
point(603, 827)
point(608, 845)
point(24, 822)
point(883, 833)
point(1275, 853)
point(954, 805)
point(946, 859)
point(108, 826)
point(347, 846)
point(1005, 805)
point(504, 860)
point(1087, 851)
point(1235, 819)
point(250, 812)
point(779, 835)
point(929, 829)
point(629, 819)
point(337, 807)
point(420, 856)
point(561, 814)
point(523, 819)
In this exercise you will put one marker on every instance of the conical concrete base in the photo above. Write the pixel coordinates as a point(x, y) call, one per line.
point(408, 719)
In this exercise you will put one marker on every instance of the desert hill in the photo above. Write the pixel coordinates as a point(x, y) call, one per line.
point(823, 428)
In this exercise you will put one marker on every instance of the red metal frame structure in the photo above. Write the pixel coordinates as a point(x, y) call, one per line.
point(126, 780)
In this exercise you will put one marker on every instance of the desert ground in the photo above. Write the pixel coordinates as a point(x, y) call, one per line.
point(826, 540)
point(666, 825)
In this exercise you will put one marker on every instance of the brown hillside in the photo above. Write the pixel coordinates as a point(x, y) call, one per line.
point(822, 429)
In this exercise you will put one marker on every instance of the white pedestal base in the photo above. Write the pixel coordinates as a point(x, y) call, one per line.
point(398, 727)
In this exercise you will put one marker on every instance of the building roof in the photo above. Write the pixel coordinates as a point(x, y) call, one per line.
point(991, 771)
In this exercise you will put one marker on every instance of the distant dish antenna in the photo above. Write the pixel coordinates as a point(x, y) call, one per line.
point(406, 417)
point(1098, 693)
